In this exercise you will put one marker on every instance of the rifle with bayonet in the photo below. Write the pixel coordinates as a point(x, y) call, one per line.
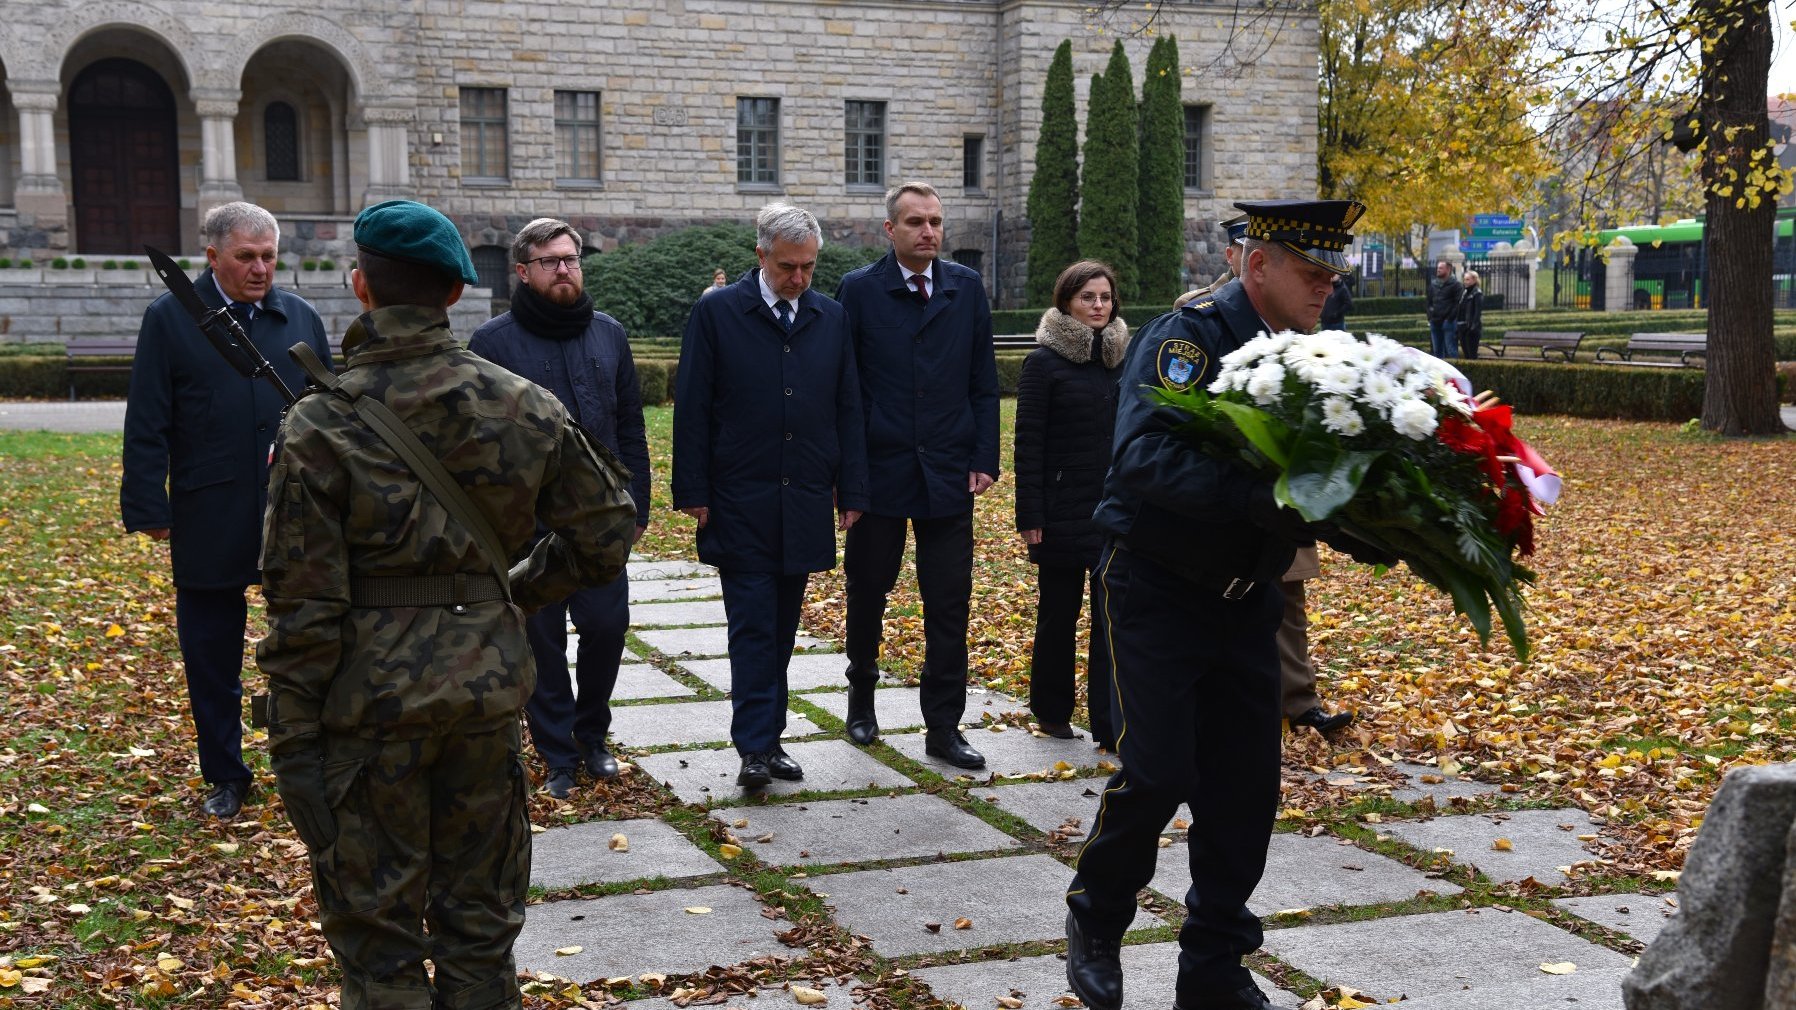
point(221, 328)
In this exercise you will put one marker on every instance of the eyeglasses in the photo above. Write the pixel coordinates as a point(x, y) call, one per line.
point(549, 263)
point(1093, 298)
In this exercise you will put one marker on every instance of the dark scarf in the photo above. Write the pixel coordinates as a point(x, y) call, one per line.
point(544, 318)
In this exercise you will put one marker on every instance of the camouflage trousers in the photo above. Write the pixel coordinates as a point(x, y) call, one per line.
point(431, 833)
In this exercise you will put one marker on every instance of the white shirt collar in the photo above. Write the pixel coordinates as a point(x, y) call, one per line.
point(769, 297)
point(227, 298)
point(927, 274)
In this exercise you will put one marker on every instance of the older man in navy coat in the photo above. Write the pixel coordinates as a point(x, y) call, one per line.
point(768, 447)
point(929, 384)
point(197, 438)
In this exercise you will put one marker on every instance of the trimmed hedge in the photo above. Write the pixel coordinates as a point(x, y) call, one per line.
point(1600, 391)
point(30, 375)
point(655, 376)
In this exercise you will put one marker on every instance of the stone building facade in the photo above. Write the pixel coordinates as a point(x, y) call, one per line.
point(123, 121)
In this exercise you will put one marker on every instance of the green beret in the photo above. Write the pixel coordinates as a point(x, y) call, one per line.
point(409, 231)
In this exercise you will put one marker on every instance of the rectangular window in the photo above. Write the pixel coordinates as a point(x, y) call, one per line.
point(972, 162)
point(577, 136)
point(758, 141)
point(864, 136)
point(483, 142)
point(1197, 147)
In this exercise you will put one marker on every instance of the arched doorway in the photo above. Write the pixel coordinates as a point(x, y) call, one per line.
point(123, 156)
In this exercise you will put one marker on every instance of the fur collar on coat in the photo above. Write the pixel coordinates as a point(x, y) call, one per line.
point(1071, 339)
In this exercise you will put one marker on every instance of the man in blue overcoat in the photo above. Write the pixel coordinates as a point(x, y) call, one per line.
point(769, 457)
point(197, 440)
point(929, 385)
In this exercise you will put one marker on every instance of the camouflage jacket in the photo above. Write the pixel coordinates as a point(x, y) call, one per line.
point(343, 505)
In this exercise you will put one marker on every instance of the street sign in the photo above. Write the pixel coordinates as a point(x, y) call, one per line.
point(1371, 265)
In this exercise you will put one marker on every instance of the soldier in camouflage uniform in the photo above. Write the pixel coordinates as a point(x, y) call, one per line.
point(396, 665)
point(1237, 232)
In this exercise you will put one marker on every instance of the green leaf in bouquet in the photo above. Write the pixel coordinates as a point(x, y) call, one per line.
point(1265, 432)
point(1321, 476)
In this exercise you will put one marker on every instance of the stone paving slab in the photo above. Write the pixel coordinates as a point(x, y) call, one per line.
point(1641, 916)
point(1012, 752)
point(658, 590)
point(1149, 973)
point(1541, 845)
point(640, 680)
point(676, 614)
point(685, 722)
point(766, 998)
point(807, 671)
point(581, 854)
point(1445, 790)
point(647, 571)
point(1047, 806)
point(859, 830)
point(709, 776)
point(1478, 959)
point(628, 934)
point(901, 708)
point(711, 641)
point(1305, 872)
point(1010, 899)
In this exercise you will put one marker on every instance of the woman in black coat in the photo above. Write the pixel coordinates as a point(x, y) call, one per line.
point(1065, 417)
point(1470, 316)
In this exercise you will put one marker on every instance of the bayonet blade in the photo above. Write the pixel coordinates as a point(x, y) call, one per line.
point(178, 284)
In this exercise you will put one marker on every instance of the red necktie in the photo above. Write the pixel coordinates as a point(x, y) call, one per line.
point(921, 283)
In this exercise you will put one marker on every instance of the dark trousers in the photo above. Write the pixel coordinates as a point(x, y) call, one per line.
point(1061, 593)
point(209, 624)
point(1197, 680)
point(871, 558)
point(1297, 675)
point(762, 610)
point(1440, 338)
point(1468, 341)
point(565, 726)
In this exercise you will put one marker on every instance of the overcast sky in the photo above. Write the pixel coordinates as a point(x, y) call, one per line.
point(1783, 52)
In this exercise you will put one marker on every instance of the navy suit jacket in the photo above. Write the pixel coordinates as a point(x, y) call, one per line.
point(195, 425)
point(929, 386)
point(768, 430)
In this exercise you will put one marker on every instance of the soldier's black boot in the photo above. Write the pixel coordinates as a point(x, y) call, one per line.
point(1093, 967)
point(754, 773)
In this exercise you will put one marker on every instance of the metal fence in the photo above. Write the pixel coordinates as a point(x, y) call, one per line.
point(1577, 280)
point(1506, 277)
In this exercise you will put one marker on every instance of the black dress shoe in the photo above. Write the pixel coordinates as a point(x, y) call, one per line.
point(1322, 722)
point(560, 782)
point(953, 748)
point(600, 764)
point(226, 799)
point(754, 773)
point(781, 766)
point(863, 726)
point(1093, 967)
point(1058, 730)
point(1248, 997)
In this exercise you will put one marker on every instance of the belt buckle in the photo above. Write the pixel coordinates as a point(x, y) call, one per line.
point(1237, 589)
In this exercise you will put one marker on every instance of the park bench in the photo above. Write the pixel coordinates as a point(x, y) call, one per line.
point(1562, 344)
point(1685, 345)
point(82, 351)
point(1013, 342)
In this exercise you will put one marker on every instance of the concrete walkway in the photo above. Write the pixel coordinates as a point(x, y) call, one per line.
point(959, 879)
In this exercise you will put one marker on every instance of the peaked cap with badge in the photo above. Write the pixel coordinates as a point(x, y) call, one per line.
point(1317, 230)
point(1236, 227)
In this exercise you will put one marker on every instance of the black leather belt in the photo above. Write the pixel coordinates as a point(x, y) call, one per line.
point(1228, 589)
point(424, 590)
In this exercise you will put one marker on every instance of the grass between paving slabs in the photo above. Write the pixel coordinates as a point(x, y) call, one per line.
point(1661, 621)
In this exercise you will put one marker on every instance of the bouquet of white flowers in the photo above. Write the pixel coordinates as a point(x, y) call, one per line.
point(1385, 443)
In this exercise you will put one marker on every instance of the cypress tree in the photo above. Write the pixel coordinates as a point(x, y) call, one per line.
point(1111, 181)
point(1161, 208)
point(1054, 190)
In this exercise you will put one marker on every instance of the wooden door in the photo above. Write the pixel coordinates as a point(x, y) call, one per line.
point(123, 152)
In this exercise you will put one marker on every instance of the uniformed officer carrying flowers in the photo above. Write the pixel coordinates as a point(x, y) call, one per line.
point(1190, 581)
point(396, 657)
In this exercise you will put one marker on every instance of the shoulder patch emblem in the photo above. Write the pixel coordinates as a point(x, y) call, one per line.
point(1179, 364)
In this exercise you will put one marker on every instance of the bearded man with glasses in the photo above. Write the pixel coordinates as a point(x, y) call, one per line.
point(553, 337)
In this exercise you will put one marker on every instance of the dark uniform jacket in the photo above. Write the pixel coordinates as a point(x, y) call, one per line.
point(1443, 298)
point(768, 430)
point(593, 375)
point(929, 386)
point(195, 425)
point(1065, 421)
point(345, 506)
point(1165, 500)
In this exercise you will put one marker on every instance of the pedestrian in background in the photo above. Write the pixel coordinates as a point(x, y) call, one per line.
point(1065, 419)
point(553, 337)
point(197, 435)
point(396, 656)
point(1443, 310)
point(1471, 316)
point(1340, 302)
point(719, 281)
point(770, 458)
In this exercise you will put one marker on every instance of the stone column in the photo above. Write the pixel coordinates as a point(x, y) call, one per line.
point(218, 149)
point(39, 191)
point(1519, 266)
point(389, 153)
point(1618, 275)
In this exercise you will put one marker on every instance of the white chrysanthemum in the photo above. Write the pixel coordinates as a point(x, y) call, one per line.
point(1228, 380)
point(1339, 416)
point(1339, 379)
point(1266, 383)
point(1364, 355)
point(1311, 355)
point(1381, 390)
point(1413, 418)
